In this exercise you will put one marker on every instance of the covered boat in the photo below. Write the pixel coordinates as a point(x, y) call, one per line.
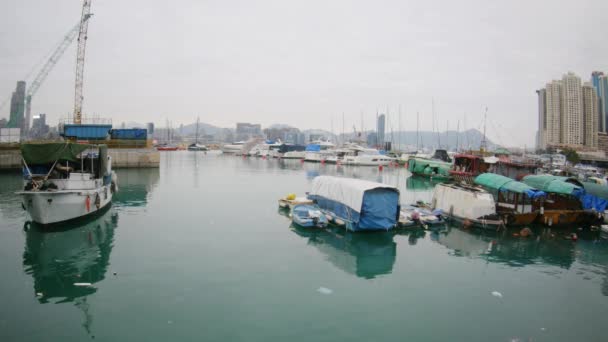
point(361, 204)
point(515, 201)
point(566, 201)
point(64, 181)
point(429, 168)
point(473, 206)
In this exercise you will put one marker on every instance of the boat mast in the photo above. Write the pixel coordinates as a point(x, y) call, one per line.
point(457, 136)
point(417, 131)
point(197, 121)
point(483, 146)
point(399, 128)
point(343, 136)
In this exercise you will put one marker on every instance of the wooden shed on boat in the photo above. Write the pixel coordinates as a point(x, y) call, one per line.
point(514, 200)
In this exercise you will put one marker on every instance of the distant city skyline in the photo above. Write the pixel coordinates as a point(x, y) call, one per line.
point(306, 62)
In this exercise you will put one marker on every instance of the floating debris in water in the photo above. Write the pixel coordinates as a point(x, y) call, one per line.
point(325, 290)
point(82, 284)
point(497, 294)
point(38, 294)
point(543, 329)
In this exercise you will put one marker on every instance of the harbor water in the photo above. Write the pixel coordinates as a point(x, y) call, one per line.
point(198, 250)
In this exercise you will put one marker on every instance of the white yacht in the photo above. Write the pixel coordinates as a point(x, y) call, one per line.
point(234, 148)
point(366, 157)
point(318, 151)
point(65, 181)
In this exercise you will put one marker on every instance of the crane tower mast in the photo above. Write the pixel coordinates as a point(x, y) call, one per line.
point(82, 42)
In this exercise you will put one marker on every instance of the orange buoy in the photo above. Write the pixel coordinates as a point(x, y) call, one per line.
point(380, 167)
point(87, 203)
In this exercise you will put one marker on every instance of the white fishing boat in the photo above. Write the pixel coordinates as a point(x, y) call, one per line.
point(65, 181)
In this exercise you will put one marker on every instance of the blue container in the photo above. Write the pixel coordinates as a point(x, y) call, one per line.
point(86, 131)
point(129, 134)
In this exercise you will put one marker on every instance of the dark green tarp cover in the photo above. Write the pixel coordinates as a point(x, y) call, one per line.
point(48, 153)
point(427, 167)
point(498, 182)
point(554, 184)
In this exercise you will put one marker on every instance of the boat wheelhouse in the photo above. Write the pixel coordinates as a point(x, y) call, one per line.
point(515, 201)
point(467, 167)
point(566, 201)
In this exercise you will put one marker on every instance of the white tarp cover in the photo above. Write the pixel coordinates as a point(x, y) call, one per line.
point(465, 203)
point(348, 191)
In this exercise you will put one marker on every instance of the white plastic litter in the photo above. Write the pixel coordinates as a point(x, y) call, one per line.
point(496, 294)
point(325, 290)
point(82, 284)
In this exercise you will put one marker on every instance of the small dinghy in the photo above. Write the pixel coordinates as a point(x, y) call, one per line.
point(308, 216)
point(412, 215)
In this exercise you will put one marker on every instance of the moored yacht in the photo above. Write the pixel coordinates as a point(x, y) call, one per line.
point(64, 181)
point(366, 157)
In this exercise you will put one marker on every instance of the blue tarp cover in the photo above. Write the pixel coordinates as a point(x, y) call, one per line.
point(313, 148)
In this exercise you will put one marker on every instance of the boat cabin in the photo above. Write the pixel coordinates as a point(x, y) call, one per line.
point(467, 167)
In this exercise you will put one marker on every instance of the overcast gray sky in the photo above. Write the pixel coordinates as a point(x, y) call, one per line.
point(304, 62)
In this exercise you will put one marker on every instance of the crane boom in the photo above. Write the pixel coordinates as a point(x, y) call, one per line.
point(46, 69)
point(82, 42)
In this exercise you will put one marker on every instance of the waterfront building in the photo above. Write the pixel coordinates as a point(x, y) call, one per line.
point(16, 119)
point(294, 137)
point(566, 114)
point(246, 131)
point(541, 135)
point(553, 110)
point(39, 127)
point(572, 110)
point(590, 115)
point(150, 128)
point(600, 82)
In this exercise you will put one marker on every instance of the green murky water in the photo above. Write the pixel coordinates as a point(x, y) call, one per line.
point(197, 251)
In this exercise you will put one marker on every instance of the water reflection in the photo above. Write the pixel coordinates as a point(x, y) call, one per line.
point(10, 205)
point(134, 186)
point(364, 255)
point(417, 183)
point(542, 248)
point(63, 263)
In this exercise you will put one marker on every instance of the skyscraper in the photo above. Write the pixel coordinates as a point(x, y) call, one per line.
point(17, 107)
point(590, 117)
point(541, 138)
point(380, 129)
point(553, 111)
point(602, 94)
point(568, 113)
point(572, 110)
point(596, 80)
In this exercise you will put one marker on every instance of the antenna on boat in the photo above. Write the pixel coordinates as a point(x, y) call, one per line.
point(343, 136)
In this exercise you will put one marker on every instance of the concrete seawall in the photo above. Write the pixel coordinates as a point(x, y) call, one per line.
point(121, 158)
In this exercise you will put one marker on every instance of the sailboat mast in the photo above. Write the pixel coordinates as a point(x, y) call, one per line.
point(457, 136)
point(483, 139)
point(197, 121)
point(417, 131)
point(399, 132)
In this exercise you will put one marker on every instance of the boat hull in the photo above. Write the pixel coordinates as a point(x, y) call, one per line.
point(51, 207)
